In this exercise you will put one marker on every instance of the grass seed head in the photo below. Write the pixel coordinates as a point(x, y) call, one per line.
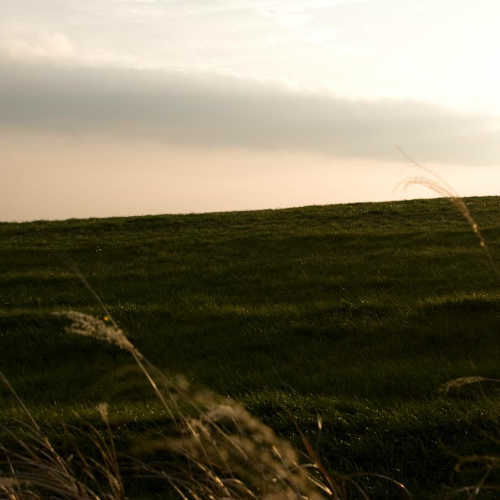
point(90, 326)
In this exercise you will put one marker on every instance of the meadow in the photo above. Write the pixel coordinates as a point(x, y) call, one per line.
point(356, 313)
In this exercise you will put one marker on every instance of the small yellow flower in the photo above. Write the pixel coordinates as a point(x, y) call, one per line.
point(106, 318)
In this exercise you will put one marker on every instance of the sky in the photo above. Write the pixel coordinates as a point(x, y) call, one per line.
point(129, 107)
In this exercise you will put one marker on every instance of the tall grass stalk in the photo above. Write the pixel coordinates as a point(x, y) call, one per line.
point(487, 464)
point(440, 186)
point(218, 449)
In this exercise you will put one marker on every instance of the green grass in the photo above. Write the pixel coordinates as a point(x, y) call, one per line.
point(357, 312)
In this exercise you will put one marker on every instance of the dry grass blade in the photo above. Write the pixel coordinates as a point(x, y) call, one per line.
point(489, 461)
point(336, 489)
point(42, 456)
point(458, 383)
point(37, 470)
point(473, 491)
point(400, 487)
point(490, 464)
point(19, 401)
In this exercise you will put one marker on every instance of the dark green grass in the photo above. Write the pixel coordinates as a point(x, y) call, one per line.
point(357, 312)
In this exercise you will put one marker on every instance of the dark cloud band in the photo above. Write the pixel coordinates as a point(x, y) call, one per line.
point(208, 111)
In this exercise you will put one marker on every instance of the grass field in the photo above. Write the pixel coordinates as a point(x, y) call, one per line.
point(355, 312)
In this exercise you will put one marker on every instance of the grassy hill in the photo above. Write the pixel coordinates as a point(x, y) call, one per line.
point(355, 312)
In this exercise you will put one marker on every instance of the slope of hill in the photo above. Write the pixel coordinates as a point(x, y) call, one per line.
point(355, 312)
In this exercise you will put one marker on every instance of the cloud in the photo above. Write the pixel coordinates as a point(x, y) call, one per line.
point(220, 112)
point(39, 45)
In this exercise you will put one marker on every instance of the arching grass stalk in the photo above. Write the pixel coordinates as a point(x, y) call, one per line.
point(441, 187)
point(233, 451)
point(487, 463)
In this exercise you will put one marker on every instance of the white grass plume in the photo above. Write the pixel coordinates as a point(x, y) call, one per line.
point(90, 326)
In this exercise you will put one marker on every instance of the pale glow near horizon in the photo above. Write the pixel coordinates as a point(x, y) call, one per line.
point(61, 178)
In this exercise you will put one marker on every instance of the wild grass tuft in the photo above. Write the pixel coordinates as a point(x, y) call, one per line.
point(216, 450)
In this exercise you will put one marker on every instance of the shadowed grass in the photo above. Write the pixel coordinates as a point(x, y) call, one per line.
point(370, 307)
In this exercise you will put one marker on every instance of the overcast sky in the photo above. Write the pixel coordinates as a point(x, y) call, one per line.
point(121, 107)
